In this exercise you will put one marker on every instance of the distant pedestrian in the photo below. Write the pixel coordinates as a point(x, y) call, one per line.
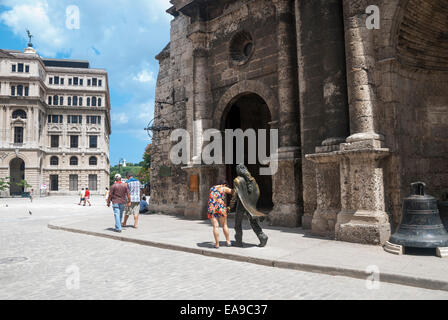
point(106, 194)
point(87, 197)
point(135, 192)
point(119, 195)
point(217, 210)
point(31, 194)
point(82, 195)
point(143, 206)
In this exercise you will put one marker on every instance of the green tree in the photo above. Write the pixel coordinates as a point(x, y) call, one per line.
point(24, 184)
point(5, 183)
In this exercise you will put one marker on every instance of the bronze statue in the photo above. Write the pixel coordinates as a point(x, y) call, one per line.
point(245, 196)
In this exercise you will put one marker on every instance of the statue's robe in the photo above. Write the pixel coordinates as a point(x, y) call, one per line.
point(248, 199)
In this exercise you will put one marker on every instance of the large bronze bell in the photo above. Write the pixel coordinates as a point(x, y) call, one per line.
point(421, 226)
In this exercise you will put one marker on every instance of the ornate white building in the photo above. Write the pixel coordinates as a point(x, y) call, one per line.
point(54, 124)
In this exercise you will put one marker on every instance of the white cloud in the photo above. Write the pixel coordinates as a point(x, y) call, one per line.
point(144, 76)
point(119, 118)
point(35, 17)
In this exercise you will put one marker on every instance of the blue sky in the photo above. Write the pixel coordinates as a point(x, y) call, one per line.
point(120, 36)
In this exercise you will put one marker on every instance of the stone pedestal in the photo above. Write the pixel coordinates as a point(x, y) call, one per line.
point(196, 206)
point(362, 218)
point(286, 189)
point(328, 188)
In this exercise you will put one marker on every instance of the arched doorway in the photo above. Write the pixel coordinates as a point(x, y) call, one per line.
point(250, 111)
point(17, 174)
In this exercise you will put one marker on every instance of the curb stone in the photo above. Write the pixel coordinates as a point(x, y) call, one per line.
point(410, 281)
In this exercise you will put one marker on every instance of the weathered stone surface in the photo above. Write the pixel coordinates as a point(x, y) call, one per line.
point(321, 74)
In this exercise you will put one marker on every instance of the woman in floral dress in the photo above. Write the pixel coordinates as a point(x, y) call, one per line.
point(217, 211)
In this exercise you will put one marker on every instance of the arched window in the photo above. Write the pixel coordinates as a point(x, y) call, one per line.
point(19, 113)
point(20, 90)
point(99, 102)
point(93, 161)
point(49, 100)
point(55, 100)
point(88, 102)
point(61, 101)
point(54, 161)
point(73, 161)
point(80, 101)
point(69, 101)
point(93, 101)
point(75, 100)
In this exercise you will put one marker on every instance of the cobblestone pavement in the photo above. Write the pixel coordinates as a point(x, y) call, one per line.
point(110, 269)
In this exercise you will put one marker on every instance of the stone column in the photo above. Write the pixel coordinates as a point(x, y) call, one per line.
point(196, 207)
point(362, 218)
point(287, 181)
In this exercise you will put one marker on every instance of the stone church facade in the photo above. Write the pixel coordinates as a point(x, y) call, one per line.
point(361, 112)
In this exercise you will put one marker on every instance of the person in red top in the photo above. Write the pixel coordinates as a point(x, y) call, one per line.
point(87, 197)
point(119, 195)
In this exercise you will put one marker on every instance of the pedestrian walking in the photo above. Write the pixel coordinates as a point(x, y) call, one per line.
point(82, 194)
point(31, 194)
point(217, 211)
point(106, 194)
point(119, 196)
point(135, 192)
point(87, 197)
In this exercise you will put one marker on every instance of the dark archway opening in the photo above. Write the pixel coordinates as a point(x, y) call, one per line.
point(17, 174)
point(250, 111)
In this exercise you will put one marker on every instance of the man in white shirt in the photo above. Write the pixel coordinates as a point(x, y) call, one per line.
point(134, 187)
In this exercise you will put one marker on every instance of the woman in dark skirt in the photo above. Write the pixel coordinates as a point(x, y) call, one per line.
point(217, 211)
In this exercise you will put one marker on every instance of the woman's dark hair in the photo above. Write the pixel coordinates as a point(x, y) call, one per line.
point(222, 182)
point(144, 198)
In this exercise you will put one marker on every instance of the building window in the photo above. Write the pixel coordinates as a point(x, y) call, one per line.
point(55, 100)
point(27, 68)
point(54, 141)
point(75, 100)
point(74, 119)
point(56, 80)
point(93, 119)
point(81, 82)
point(70, 81)
point(93, 161)
point(94, 83)
point(54, 161)
point(50, 80)
point(73, 161)
point(93, 101)
point(62, 80)
point(27, 91)
point(88, 102)
point(73, 182)
point(20, 67)
point(13, 68)
point(54, 118)
point(73, 141)
point(93, 182)
point(54, 182)
point(13, 90)
point(69, 101)
point(89, 82)
point(61, 101)
point(100, 83)
point(99, 102)
point(49, 100)
point(80, 101)
point(75, 81)
point(93, 141)
point(18, 134)
point(19, 114)
point(20, 90)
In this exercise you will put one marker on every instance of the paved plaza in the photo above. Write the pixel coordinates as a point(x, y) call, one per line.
point(37, 262)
